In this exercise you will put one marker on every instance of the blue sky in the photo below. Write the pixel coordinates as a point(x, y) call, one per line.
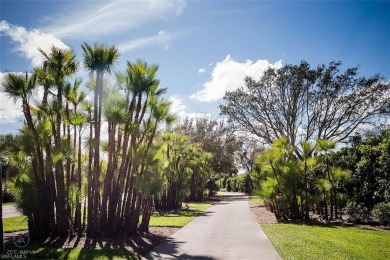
point(203, 48)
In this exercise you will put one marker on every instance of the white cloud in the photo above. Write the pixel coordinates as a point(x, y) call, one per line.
point(10, 110)
point(201, 70)
point(98, 18)
point(229, 75)
point(177, 107)
point(29, 41)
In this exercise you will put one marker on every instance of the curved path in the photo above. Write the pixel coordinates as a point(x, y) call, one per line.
point(226, 230)
point(10, 211)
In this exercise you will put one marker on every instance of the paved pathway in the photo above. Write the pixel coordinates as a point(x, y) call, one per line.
point(227, 230)
point(10, 211)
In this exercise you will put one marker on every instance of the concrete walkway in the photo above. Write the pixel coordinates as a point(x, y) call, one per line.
point(227, 230)
point(10, 211)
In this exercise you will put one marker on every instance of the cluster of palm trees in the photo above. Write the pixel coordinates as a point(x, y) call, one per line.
point(73, 180)
point(293, 186)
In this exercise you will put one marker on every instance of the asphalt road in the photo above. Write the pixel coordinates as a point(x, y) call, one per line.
point(227, 230)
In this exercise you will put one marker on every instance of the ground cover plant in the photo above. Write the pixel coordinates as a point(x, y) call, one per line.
point(302, 241)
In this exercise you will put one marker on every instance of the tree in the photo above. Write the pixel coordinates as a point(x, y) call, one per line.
point(368, 160)
point(283, 178)
point(306, 104)
point(98, 59)
point(214, 136)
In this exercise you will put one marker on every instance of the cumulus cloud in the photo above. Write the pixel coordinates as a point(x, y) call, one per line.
point(177, 107)
point(201, 70)
point(98, 18)
point(229, 75)
point(29, 41)
point(10, 109)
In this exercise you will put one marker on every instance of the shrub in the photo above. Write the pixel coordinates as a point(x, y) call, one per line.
point(228, 185)
point(357, 212)
point(8, 196)
point(381, 212)
point(212, 187)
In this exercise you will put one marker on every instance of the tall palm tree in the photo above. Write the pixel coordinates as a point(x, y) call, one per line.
point(61, 64)
point(98, 59)
point(21, 87)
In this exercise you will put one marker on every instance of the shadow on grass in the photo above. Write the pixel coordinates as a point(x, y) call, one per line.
point(85, 248)
point(170, 249)
point(80, 253)
point(178, 213)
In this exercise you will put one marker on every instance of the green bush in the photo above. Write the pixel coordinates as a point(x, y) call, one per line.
point(357, 212)
point(212, 187)
point(381, 212)
point(8, 197)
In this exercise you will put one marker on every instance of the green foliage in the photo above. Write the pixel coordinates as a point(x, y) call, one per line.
point(212, 187)
point(294, 241)
point(240, 183)
point(368, 160)
point(216, 137)
point(305, 103)
point(381, 211)
point(186, 171)
point(292, 184)
point(8, 196)
point(357, 212)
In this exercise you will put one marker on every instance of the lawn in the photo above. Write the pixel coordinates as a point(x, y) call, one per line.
point(8, 203)
point(255, 200)
point(295, 241)
point(178, 218)
point(161, 219)
point(15, 224)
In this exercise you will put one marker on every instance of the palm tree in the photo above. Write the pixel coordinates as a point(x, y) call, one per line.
point(21, 87)
point(61, 64)
point(98, 59)
point(308, 163)
point(326, 146)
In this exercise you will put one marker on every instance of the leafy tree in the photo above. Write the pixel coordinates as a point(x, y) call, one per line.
point(187, 172)
point(306, 104)
point(368, 160)
point(216, 137)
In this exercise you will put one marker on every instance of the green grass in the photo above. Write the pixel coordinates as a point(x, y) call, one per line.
point(178, 218)
point(158, 219)
point(293, 241)
point(73, 253)
point(8, 203)
point(15, 224)
point(255, 200)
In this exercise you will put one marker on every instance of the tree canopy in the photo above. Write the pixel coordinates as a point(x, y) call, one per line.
point(307, 104)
